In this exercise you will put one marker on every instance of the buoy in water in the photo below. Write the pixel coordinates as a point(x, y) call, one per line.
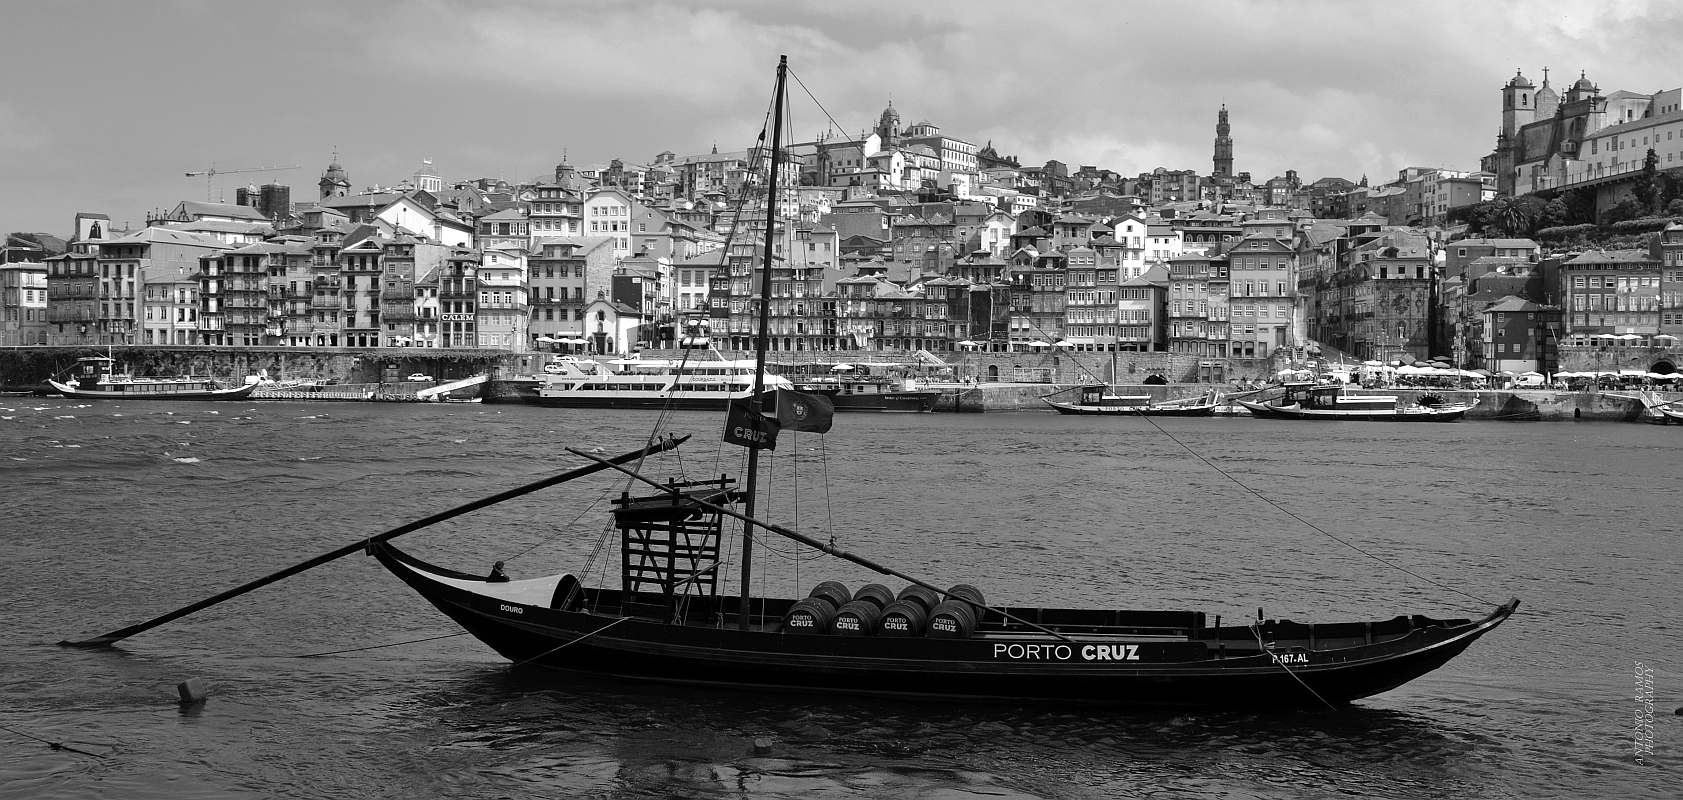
point(762, 746)
point(193, 690)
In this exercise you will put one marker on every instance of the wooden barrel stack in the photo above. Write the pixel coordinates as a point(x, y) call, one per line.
point(875, 610)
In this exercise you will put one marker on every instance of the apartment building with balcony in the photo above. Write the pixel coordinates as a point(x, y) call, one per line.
point(458, 299)
point(361, 273)
point(503, 318)
point(165, 260)
point(23, 304)
point(1262, 293)
point(242, 292)
point(564, 274)
point(73, 295)
point(407, 260)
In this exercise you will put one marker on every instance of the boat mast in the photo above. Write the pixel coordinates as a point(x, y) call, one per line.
point(761, 339)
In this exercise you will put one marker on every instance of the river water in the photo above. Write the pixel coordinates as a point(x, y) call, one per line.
point(113, 513)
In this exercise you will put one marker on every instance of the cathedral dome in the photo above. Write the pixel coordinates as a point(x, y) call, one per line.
point(1519, 81)
point(1583, 84)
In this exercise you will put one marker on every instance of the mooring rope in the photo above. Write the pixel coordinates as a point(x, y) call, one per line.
point(1282, 509)
point(573, 642)
point(54, 745)
point(1267, 652)
point(378, 646)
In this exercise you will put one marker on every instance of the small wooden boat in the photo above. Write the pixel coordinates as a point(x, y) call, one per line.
point(1319, 402)
point(668, 621)
point(1098, 401)
point(1010, 654)
point(1666, 413)
point(95, 379)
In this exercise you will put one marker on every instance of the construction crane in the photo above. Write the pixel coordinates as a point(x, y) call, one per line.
point(210, 176)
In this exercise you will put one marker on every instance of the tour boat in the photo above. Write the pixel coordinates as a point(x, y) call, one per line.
point(1322, 402)
point(858, 392)
point(684, 383)
point(667, 621)
point(1097, 400)
point(95, 379)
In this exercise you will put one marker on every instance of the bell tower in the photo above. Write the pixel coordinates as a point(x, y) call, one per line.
point(1519, 107)
point(1223, 146)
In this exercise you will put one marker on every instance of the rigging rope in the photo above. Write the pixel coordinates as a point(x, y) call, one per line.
point(1306, 523)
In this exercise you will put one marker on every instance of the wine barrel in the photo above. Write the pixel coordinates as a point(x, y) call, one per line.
point(902, 618)
point(965, 591)
point(875, 593)
point(951, 619)
point(833, 592)
point(920, 595)
point(811, 615)
point(858, 618)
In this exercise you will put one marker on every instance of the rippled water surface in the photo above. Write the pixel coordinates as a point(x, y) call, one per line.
point(113, 513)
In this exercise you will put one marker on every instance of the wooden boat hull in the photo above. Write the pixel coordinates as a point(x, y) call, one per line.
point(1418, 414)
point(235, 393)
point(515, 620)
point(1199, 410)
point(1665, 416)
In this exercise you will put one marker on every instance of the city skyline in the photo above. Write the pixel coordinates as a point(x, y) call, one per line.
point(107, 117)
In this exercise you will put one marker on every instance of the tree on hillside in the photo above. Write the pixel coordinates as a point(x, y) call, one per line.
point(1646, 190)
point(1513, 217)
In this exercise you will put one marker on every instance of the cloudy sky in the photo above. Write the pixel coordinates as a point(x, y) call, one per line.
point(105, 105)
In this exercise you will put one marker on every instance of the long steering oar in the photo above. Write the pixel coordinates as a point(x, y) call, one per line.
point(601, 464)
point(820, 546)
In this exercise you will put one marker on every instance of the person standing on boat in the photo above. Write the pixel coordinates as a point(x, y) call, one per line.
point(497, 575)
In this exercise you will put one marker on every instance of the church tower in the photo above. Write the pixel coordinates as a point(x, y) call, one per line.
point(1223, 146)
point(335, 182)
point(1546, 100)
point(888, 127)
point(1518, 108)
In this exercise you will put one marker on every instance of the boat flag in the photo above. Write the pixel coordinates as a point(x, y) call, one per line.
point(745, 428)
point(802, 411)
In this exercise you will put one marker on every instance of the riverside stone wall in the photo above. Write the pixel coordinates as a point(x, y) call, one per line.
point(24, 367)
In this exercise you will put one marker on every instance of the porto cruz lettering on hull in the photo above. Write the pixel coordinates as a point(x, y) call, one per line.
point(1060, 652)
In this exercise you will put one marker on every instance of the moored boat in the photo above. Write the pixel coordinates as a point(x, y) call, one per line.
point(872, 393)
point(669, 621)
point(1321, 402)
point(95, 379)
point(684, 383)
point(1096, 400)
point(1666, 413)
point(670, 618)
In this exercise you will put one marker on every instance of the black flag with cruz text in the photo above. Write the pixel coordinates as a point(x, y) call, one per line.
point(801, 411)
point(745, 428)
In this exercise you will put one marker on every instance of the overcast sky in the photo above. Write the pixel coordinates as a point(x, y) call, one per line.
point(104, 105)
